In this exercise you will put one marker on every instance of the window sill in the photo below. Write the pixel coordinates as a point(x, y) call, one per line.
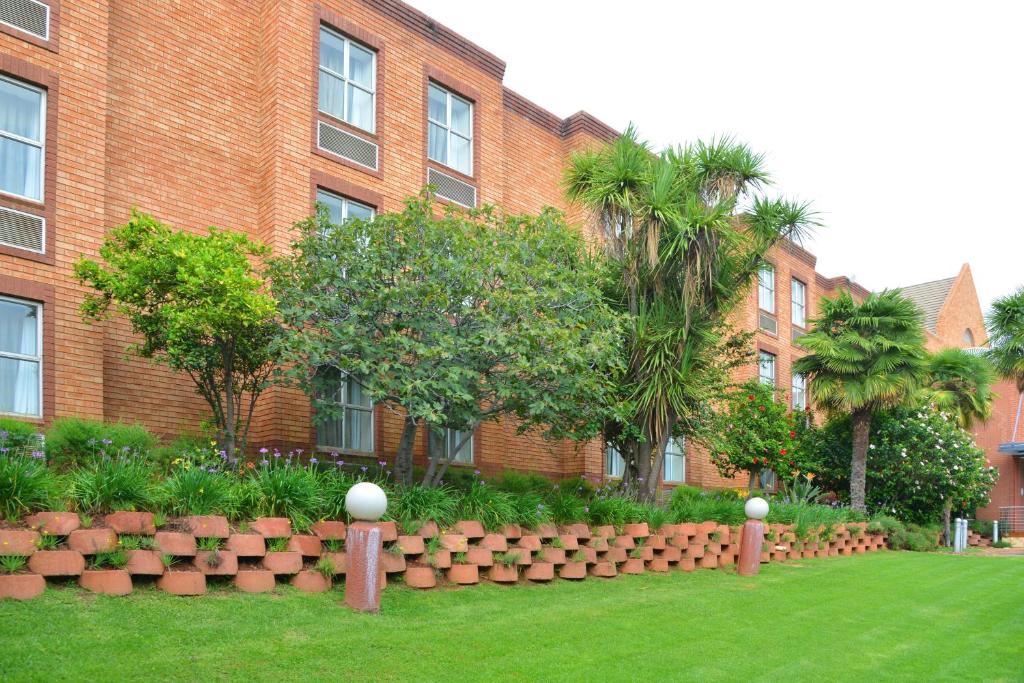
point(348, 127)
point(455, 173)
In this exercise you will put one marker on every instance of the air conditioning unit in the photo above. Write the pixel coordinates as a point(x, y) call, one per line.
point(30, 16)
point(452, 189)
point(22, 230)
point(344, 144)
point(768, 323)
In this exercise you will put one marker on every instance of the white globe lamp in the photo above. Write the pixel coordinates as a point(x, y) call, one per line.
point(756, 508)
point(366, 502)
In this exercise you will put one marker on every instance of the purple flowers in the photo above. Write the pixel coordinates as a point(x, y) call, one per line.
point(382, 463)
point(4, 435)
point(264, 450)
point(364, 468)
point(313, 461)
point(38, 455)
point(264, 462)
point(107, 442)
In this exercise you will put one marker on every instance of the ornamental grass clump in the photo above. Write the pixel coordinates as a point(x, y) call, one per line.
point(492, 508)
point(412, 506)
point(198, 491)
point(26, 484)
point(277, 489)
point(74, 441)
point(334, 484)
point(529, 509)
point(113, 483)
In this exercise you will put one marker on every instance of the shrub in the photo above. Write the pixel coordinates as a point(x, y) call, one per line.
point(195, 449)
point(281, 490)
point(566, 507)
point(530, 509)
point(519, 483)
point(655, 516)
point(197, 491)
point(492, 508)
point(414, 505)
point(26, 485)
point(915, 538)
point(74, 440)
point(334, 485)
point(109, 484)
point(17, 437)
point(12, 564)
point(690, 505)
point(615, 510)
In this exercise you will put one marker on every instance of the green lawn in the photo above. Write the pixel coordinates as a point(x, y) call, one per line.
point(885, 616)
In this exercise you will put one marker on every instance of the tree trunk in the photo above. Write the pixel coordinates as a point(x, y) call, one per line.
point(229, 403)
point(657, 467)
point(861, 422)
point(403, 456)
point(947, 508)
point(435, 453)
point(755, 481)
point(643, 470)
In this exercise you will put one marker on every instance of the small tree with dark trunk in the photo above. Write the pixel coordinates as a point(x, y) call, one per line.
point(455, 320)
point(199, 307)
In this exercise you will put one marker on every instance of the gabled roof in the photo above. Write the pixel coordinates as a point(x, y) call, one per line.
point(929, 297)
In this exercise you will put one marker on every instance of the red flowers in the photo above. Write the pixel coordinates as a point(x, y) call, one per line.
point(782, 451)
point(792, 435)
point(761, 408)
point(750, 397)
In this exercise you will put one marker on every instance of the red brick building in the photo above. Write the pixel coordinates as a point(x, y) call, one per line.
point(240, 115)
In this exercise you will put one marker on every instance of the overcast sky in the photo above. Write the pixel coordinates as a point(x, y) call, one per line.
point(901, 121)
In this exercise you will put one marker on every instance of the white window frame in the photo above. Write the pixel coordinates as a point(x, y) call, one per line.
point(798, 306)
point(344, 406)
point(447, 127)
point(614, 463)
point(344, 78)
point(766, 289)
point(798, 386)
point(40, 144)
point(38, 358)
point(769, 360)
point(451, 440)
point(19, 28)
point(679, 447)
point(345, 202)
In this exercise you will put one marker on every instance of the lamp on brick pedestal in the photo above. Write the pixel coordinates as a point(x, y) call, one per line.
point(749, 563)
point(365, 502)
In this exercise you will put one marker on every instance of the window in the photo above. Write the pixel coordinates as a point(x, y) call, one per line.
point(766, 288)
point(342, 208)
point(799, 390)
point(21, 357)
point(969, 337)
point(766, 368)
point(450, 129)
point(767, 479)
point(350, 428)
point(675, 460)
point(614, 465)
point(348, 80)
point(458, 446)
point(798, 295)
point(22, 132)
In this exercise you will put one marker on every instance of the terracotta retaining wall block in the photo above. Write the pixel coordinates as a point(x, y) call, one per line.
point(580, 531)
point(512, 531)
point(655, 541)
point(216, 563)
point(632, 566)
point(21, 586)
point(287, 562)
point(644, 553)
point(695, 550)
point(604, 569)
point(338, 559)
point(392, 563)
point(464, 574)
point(469, 528)
point(494, 542)
point(246, 545)
point(569, 541)
point(411, 545)
point(615, 555)
point(175, 543)
point(573, 570)
point(182, 583)
point(441, 559)
point(626, 542)
point(420, 577)
point(606, 531)
point(529, 542)
point(125, 522)
point(640, 530)
point(687, 564)
point(254, 580)
point(671, 554)
point(709, 562)
point(57, 562)
point(20, 542)
point(658, 564)
point(106, 581)
point(590, 554)
point(540, 571)
point(388, 531)
point(54, 523)
point(272, 527)
point(547, 531)
point(503, 573)
point(308, 546)
point(481, 557)
point(428, 530)
point(144, 563)
point(552, 555)
point(329, 530)
point(456, 543)
point(311, 581)
point(92, 541)
point(208, 526)
point(598, 543)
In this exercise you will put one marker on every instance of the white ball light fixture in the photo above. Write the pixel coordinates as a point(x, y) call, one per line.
point(756, 508)
point(366, 502)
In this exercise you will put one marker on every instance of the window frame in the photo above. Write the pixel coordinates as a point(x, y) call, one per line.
point(345, 201)
point(612, 455)
point(448, 443)
point(344, 406)
point(39, 358)
point(449, 96)
point(680, 442)
point(40, 144)
point(766, 267)
point(793, 388)
point(344, 78)
point(761, 354)
point(794, 283)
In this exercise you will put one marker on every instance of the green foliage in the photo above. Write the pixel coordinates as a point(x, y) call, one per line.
point(566, 507)
point(529, 509)
point(334, 485)
point(1006, 336)
point(982, 527)
point(458, 319)
point(110, 559)
point(485, 504)
point(277, 545)
point(194, 449)
point(135, 542)
point(755, 431)
point(282, 490)
point(26, 485)
point(74, 440)
point(333, 545)
point(616, 511)
point(209, 543)
point(722, 507)
point(916, 538)
point(519, 483)
point(12, 564)
point(325, 567)
point(197, 491)
point(960, 383)
point(507, 558)
point(418, 504)
point(17, 437)
point(799, 490)
point(113, 483)
point(198, 306)
point(1002, 544)
point(48, 542)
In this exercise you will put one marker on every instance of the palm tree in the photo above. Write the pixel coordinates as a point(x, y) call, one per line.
point(863, 358)
point(960, 382)
point(684, 238)
point(1006, 334)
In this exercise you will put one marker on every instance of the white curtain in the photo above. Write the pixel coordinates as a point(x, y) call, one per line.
point(19, 378)
point(20, 162)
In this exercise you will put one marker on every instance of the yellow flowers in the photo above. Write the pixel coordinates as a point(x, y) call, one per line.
point(810, 476)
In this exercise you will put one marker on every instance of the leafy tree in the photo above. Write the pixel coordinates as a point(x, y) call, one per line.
point(1006, 334)
point(199, 306)
point(685, 237)
point(923, 464)
point(456, 319)
point(961, 383)
point(755, 432)
point(863, 358)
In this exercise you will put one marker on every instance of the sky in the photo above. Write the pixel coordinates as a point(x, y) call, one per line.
point(901, 122)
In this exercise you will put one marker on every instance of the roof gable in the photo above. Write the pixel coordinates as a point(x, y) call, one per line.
point(929, 297)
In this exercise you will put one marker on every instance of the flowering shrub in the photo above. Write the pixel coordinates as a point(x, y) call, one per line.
point(26, 484)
